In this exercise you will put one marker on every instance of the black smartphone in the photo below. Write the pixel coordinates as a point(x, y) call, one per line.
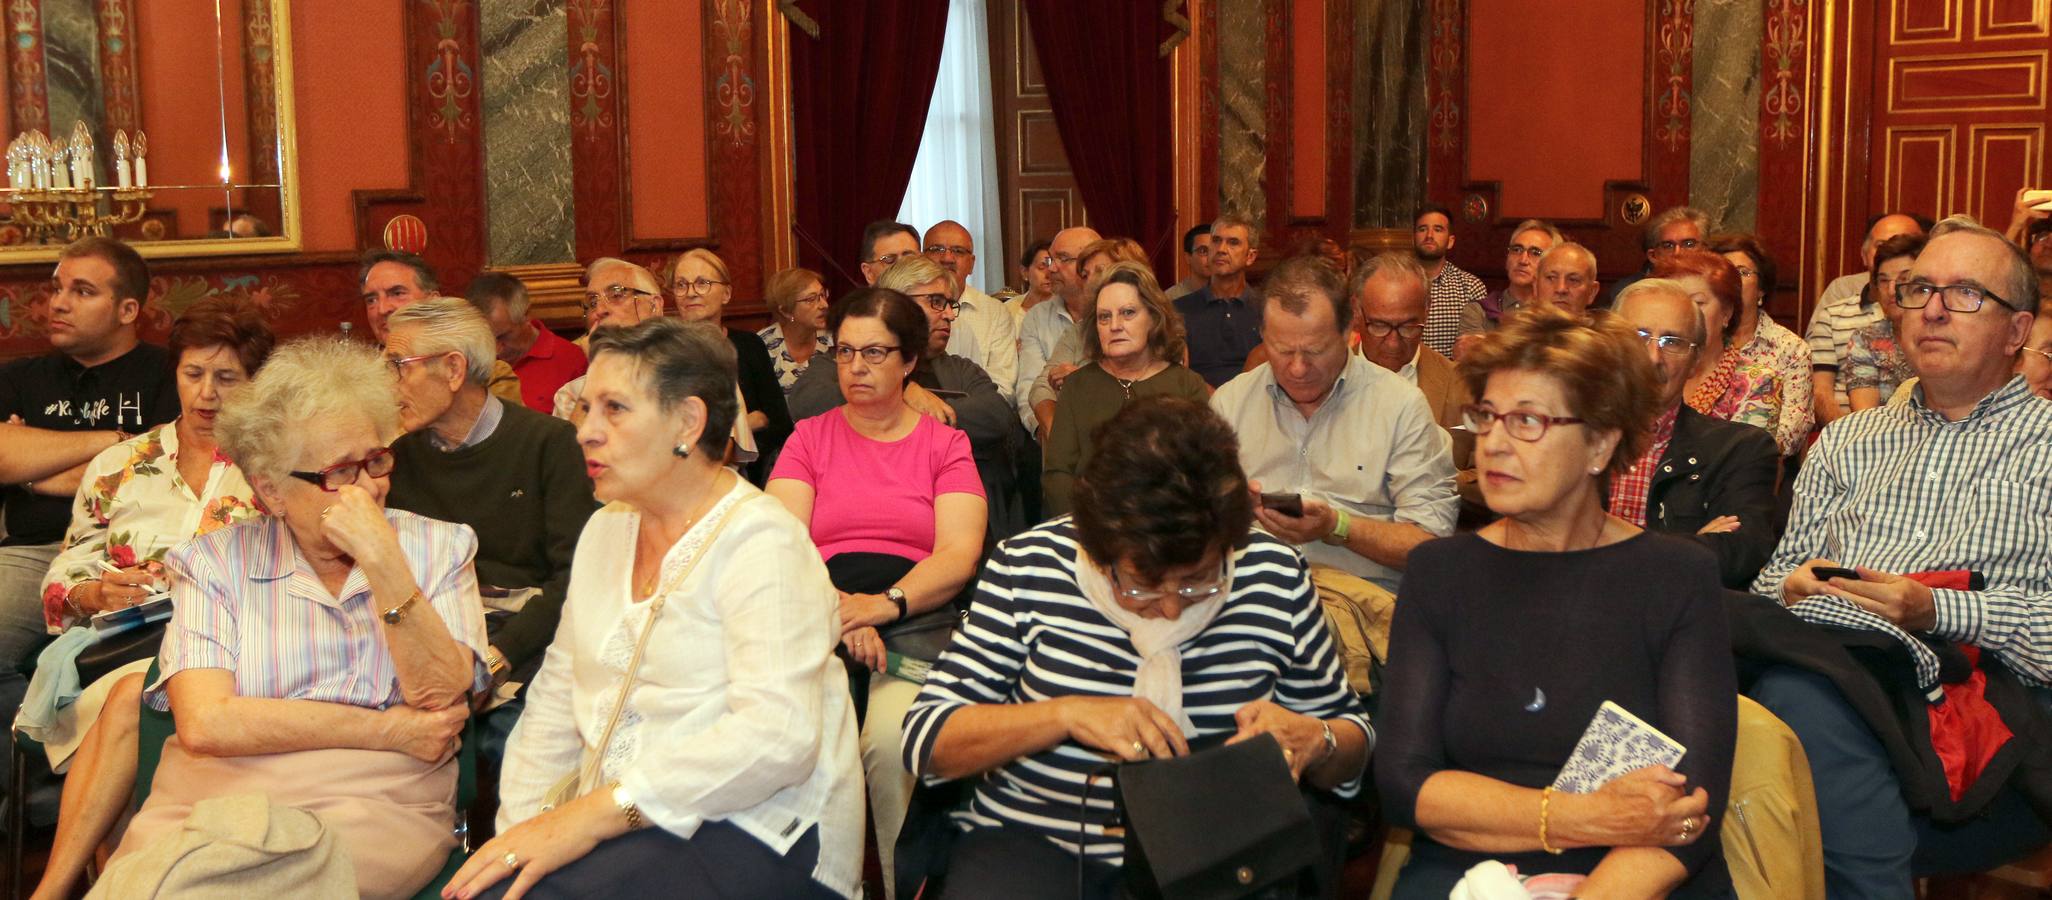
point(1291, 505)
point(1826, 573)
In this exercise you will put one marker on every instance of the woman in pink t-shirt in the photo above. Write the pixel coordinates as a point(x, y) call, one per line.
point(893, 501)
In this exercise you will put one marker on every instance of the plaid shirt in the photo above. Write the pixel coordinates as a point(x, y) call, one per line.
point(1452, 291)
point(1899, 488)
point(1628, 492)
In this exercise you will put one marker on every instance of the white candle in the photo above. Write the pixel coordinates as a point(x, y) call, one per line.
point(142, 172)
point(121, 175)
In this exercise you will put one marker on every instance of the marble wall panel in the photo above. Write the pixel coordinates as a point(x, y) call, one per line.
point(1243, 109)
point(71, 57)
point(1390, 38)
point(526, 104)
point(1724, 151)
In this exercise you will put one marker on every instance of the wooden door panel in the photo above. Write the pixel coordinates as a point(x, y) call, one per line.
point(1959, 112)
point(1036, 187)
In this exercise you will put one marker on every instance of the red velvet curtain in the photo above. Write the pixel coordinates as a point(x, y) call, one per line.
point(859, 93)
point(1111, 90)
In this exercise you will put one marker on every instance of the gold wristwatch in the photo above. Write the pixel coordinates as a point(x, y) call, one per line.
point(393, 615)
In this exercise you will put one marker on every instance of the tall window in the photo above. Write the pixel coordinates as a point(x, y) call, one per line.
point(956, 175)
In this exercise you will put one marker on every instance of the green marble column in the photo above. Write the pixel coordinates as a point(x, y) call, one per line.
point(529, 212)
point(1724, 148)
point(1390, 118)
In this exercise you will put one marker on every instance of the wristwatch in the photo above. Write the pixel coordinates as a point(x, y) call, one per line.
point(1331, 742)
point(897, 595)
point(627, 807)
point(393, 615)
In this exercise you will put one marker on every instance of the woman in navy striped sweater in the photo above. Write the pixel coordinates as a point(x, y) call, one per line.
point(1151, 619)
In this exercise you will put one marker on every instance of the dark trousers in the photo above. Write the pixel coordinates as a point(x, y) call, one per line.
point(720, 860)
point(1873, 845)
point(1002, 862)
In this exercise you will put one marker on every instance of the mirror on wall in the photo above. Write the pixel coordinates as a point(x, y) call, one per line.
point(166, 123)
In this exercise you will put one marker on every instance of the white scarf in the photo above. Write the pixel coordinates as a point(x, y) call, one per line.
point(1160, 678)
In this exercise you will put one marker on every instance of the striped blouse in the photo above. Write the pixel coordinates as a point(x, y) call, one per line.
point(243, 599)
point(1901, 489)
point(1032, 636)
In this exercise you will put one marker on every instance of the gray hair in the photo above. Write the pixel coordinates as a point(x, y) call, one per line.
point(448, 325)
point(421, 273)
point(1672, 215)
point(636, 272)
point(1665, 286)
point(913, 271)
point(1389, 264)
point(1569, 246)
point(1230, 220)
point(1538, 225)
point(2022, 289)
point(680, 360)
point(307, 380)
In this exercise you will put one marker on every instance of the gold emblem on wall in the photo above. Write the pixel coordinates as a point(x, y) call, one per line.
point(1635, 209)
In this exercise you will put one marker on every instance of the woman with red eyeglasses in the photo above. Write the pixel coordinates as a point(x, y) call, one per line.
point(323, 654)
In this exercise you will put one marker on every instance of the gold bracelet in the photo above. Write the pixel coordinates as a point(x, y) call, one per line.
point(1545, 804)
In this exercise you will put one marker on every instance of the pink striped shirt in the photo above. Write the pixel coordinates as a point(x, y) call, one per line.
point(244, 600)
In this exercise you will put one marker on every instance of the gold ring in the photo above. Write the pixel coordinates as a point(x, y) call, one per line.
point(512, 860)
point(1139, 748)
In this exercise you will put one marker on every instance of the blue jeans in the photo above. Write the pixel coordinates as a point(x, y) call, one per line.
point(1873, 845)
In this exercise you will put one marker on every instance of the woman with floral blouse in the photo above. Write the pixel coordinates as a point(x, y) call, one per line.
point(140, 499)
point(1875, 363)
point(796, 335)
point(1727, 384)
point(150, 493)
point(1761, 339)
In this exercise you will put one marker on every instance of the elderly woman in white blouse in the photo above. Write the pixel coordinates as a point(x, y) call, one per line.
point(722, 761)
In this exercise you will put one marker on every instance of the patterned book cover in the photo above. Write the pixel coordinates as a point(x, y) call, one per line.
point(1616, 742)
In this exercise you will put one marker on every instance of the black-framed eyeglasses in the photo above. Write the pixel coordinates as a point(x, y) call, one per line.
point(1683, 244)
point(949, 249)
point(1670, 344)
point(615, 295)
point(377, 464)
point(1522, 250)
point(1195, 593)
point(890, 259)
point(873, 355)
point(1410, 331)
point(1518, 423)
point(937, 302)
point(1959, 298)
point(702, 285)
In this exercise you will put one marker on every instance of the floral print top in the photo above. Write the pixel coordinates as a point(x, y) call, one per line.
point(789, 369)
point(133, 507)
point(1875, 360)
point(1743, 389)
point(1789, 356)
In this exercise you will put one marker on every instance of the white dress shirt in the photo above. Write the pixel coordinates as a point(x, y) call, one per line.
point(985, 335)
point(1039, 332)
point(740, 712)
point(1372, 448)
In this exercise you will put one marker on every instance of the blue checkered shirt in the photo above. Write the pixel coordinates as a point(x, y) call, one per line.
point(1899, 488)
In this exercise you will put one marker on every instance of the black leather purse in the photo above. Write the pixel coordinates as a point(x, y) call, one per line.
point(1223, 823)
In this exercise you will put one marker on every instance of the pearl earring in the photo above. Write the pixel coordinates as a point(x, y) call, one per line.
point(682, 451)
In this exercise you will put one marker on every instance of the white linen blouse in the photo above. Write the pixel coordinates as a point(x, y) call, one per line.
point(739, 712)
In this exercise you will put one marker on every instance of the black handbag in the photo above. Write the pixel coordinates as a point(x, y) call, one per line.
point(1222, 823)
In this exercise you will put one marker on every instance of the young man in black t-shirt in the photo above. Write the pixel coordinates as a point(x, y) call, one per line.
point(59, 410)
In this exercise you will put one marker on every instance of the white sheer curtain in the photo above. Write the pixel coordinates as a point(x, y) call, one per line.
point(956, 175)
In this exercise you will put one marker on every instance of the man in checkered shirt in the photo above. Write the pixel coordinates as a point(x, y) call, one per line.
point(1958, 477)
point(1450, 287)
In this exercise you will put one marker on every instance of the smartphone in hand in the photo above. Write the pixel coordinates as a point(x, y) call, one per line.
point(1291, 505)
point(1826, 573)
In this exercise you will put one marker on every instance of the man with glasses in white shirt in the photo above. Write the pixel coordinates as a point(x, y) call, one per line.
point(984, 332)
point(1955, 479)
